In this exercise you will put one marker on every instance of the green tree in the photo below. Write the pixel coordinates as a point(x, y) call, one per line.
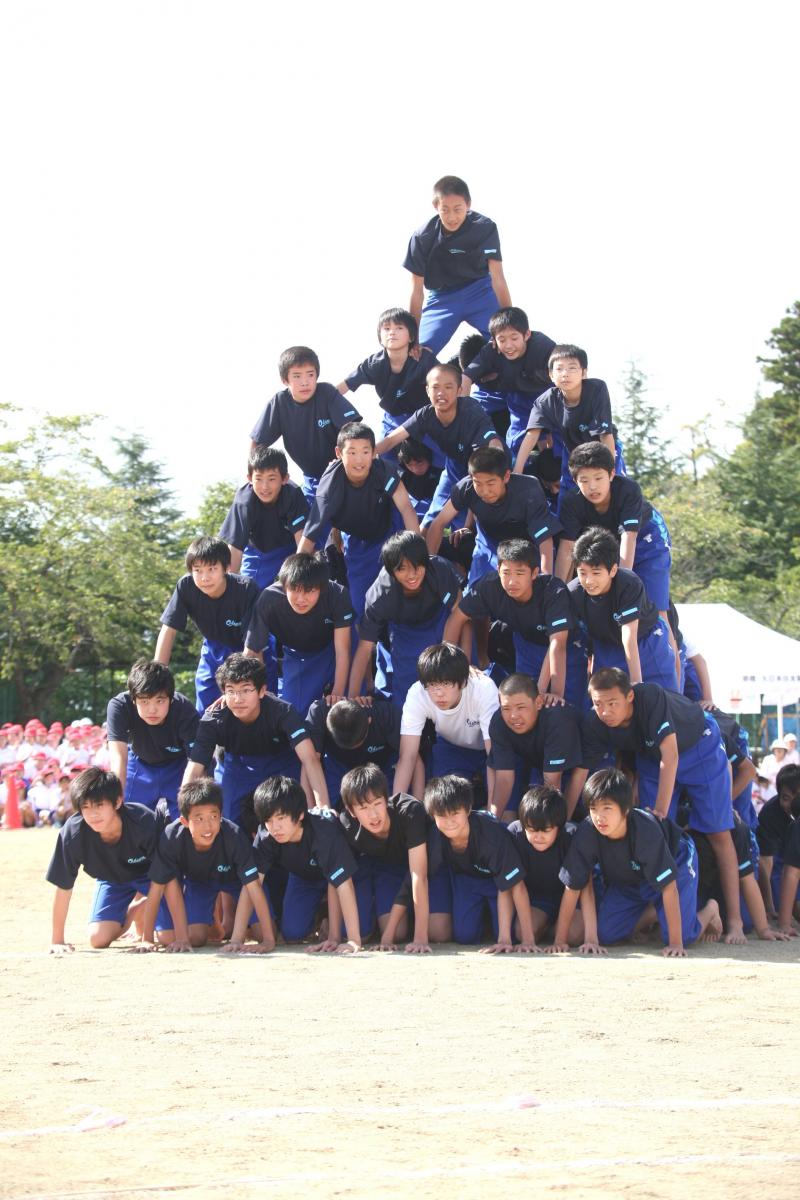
point(82, 579)
point(648, 458)
point(150, 489)
point(214, 506)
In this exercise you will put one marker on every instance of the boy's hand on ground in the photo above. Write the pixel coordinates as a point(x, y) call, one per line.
point(674, 952)
point(593, 948)
point(788, 930)
point(61, 948)
point(527, 948)
point(143, 947)
point(329, 946)
point(418, 948)
point(498, 948)
point(559, 948)
point(231, 947)
point(349, 948)
point(257, 948)
point(774, 935)
point(179, 947)
point(381, 947)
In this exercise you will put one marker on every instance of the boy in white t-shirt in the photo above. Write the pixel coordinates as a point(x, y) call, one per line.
point(460, 703)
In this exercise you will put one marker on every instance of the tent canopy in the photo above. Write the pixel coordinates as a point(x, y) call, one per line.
point(746, 661)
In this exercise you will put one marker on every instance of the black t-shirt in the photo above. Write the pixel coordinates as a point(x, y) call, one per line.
point(386, 603)
point(469, 430)
point(522, 513)
point(541, 868)
point(773, 826)
point(365, 512)
point(307, 632)
point(321, 853)
point(529, 375)
point(656, 714)
point(401, 392)
point(707, 859)
point(490, 852)
point(277, 726)
point(646, 854)
point(547, 612)
point(308, 430)
point(250, 522)
point(733, 737)
point(382, 741)
point(153, 744)
point(554, 743)
point(791, 845)
point(587, 421)
point(119, 862)
point(452, 260)
point(228, 860)
point(627, 512)
point(421, 487)
point(603, 616)
point(408, 829)
point(224, 619)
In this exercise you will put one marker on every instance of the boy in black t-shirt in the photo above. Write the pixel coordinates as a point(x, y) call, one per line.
point(266, 520)
point(151, 728)
point(642, 861)
point(218, 603)
point(542, 838)
point(348, 734)
point(418, 474)
point(199, 856)
point(775, 821)
point(307, 414)
point(114, 843)
point(389, 836)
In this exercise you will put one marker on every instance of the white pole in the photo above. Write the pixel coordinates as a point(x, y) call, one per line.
point(780, 715)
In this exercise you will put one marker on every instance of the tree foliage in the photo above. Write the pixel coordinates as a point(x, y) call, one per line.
point(646, 451)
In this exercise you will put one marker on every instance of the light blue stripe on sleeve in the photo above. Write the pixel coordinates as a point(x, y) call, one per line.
point(511, 874)
point(336, 874)
point(665, 725)
point(560, 621)
point(663, 874)
point(626, 612)
point(539, 532)
point(299, 733)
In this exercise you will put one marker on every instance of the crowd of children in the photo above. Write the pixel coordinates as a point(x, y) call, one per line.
point(442, 691)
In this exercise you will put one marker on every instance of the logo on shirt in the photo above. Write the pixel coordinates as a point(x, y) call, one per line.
point(235, 624)
point(322, 422)
point(173, 749)
point(635, 866)
point(133, 861)
point(223, 868)
point(472, 721)
point(458, 252)
point(374, 749)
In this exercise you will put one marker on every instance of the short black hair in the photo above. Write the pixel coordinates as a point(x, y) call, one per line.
point(596, 547)
point(148, 678)
point(590, 456)
point(470, 348)
point(296, 356)
point(488, 460)
point(443, 663)
point(519, 550)
point(267, 458)
point(608, 784)
point(358, 783)
point(546, 466)
point(355, 431)
point(197, 792)
point(406, 545)
point(412, 450)
point(453, 368)
point(509, 318)
point(610, 677)
point(788, 779)
point(541, 808)
point(279, 795)
point(447, 794)
point(519, 685)
point(208, 550)
point(304, 572)
point(566, 350)
point(399, 316)
point(451, 185)
point(348, 723)
point(241, 668)
point(93, 784)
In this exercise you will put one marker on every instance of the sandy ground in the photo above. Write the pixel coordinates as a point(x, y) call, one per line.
point(383, 1076)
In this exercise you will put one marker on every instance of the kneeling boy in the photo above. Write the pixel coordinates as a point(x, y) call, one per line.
point(542, 838)
point(265, 521)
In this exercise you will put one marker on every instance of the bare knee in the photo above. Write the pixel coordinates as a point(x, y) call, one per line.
point(440, 927)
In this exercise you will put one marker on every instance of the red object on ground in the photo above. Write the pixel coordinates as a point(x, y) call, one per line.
point(11, 817)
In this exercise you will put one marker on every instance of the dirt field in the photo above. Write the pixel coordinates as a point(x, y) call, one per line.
point(381, 1076)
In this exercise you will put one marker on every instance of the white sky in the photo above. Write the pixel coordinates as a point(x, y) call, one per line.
point(191, 187)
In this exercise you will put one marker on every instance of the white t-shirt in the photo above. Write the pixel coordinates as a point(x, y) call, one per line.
point(465, 725)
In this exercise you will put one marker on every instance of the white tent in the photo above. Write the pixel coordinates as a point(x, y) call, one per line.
point(749, 664)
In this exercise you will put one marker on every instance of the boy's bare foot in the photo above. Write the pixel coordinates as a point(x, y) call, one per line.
point(710, 922)
point(735, 935)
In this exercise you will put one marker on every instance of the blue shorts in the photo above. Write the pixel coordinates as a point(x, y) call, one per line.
point(301, 900)
point(442, 312)
point(363, 561)
point(691, 681)
point(263, 565)
point(407, 643)
point(377, 884)
point(212, 656)
point(530, 657)
point(305, 676)
point(447, 759)
point(655, 656)
point(111, 900)
point(240, 774)
point(703, 773)
point(199, 899)
point(391, 423)
point(471, 899)
point(449, 477)
point(619, 908)
point(545, 904)
point(147, 784)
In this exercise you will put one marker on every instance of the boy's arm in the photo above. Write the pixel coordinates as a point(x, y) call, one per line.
point(490, 772)
point(505, 917)
point(566, 911)
point(704, 679)
point(501, 792)
point(454, 625)
point(627, 548)
point(236, 559)
point(393, 439)
point(164, 644)
point(751, 895)
point(765, 883)
point(591, 941)
point(608, 441)
point(546, 556)
point(361, 660)
point(305, 545)
point(526, 449)
point(343, 388)
point(402, 503)
point(522, 903)
point(574, 789)
point(60, 909)
point(499, 283)
point(118, 761)
point(177, 910)
point(407, 760)
point(257, 900)
point(417, 296)
point(434, 531)
point(341, 646)
point(630, 644)
point(418, 866)
point(744, 774)
point(553, 676)
point(563, 568)
point(789, 882)
point(194, 770)
point(668, 769)
point(672, 914)
point(315, 776)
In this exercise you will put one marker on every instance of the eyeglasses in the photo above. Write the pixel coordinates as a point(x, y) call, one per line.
point(243, 694)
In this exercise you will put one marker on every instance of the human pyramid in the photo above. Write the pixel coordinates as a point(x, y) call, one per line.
point(395, 651)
